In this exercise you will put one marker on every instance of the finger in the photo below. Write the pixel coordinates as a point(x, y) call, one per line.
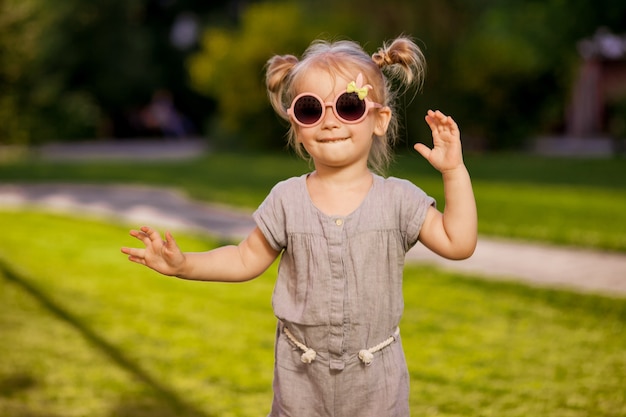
point(142, 236)
point(446, 122)
point(137, 260)
point(152, 234)
point(442, 126)
point(135, 255)
point(435, 127)
point(434, 120)
point(450, 123)
point(422, 150)
point(135, 252)
point(170, 242)
point(440, 115)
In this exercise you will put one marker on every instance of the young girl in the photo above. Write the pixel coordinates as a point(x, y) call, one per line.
point(342, 231)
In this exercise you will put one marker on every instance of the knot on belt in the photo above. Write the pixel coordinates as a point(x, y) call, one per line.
point(309, 354)
point(365, 355)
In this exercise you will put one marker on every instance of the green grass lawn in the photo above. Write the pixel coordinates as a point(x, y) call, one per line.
point(578, 202)
point(87, 333)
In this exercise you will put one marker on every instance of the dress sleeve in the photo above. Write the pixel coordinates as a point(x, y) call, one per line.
point(270, 218)
point(414, 204)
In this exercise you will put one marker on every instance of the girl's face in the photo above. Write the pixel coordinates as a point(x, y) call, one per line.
point(333, 143)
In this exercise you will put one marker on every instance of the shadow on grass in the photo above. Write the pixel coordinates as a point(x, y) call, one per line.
point(169, 403)
point(15, 383)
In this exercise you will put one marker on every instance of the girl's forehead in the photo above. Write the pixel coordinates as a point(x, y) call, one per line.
point(322, 81)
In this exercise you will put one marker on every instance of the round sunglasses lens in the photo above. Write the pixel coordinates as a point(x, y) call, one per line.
point(307, 110)
point(350, 107)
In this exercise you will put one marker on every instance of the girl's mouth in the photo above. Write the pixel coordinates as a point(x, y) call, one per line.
point(332, 140)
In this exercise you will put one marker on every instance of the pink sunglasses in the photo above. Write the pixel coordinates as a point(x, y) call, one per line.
point(308, 109)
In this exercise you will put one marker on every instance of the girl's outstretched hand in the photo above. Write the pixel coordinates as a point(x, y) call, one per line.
point(163, 256)
point(446, 153)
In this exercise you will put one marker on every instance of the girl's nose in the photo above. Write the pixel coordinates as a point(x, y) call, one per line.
point(330, 118)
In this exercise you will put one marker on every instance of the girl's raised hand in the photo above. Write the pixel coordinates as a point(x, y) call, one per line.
point(163, 256)
point(446, 153)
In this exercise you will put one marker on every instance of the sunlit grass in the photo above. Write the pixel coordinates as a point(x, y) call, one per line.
point(491, 349)
point(579, 202)
point(87, 333)
point(122, 333)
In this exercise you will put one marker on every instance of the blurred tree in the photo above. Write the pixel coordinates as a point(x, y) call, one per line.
point(81, 69)
point(503, 68)
point(513, 68)
point(230, 62)
point(230, 67)
point(174, 29)
point(34, 99)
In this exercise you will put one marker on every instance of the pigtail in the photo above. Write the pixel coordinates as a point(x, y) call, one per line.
point(278, 69)
point(404, 66)
point(402, 60)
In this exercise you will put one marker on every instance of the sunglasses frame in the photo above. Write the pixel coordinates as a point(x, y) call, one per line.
point(369, 105)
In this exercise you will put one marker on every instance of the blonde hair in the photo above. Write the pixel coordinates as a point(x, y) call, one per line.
point(392, 70)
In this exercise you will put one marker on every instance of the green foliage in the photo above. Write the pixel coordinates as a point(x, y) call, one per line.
point(87, 333)
point(77, 69)
point(230, 66)
point(62, 65)
point(514, 66)
point(503, 68)
point(34, 89)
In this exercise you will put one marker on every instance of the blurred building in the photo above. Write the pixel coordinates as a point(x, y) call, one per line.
point(598, 103)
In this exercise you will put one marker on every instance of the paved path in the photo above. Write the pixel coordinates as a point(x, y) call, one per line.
point(577, 269)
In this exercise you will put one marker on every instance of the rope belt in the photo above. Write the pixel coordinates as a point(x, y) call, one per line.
point(309, 354)
point(365, 355)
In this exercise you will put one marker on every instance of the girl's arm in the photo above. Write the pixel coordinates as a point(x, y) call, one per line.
point(453, 233)
point(233, 263)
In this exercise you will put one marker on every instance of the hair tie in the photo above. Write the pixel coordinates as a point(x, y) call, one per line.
point(382, 58)
point(387, 58)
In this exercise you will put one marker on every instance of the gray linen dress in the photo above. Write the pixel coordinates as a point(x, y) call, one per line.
point(338, 291)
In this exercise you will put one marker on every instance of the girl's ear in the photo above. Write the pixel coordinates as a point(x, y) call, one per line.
point(383, 117)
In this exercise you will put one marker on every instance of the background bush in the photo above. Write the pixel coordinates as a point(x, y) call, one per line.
point(83, 69)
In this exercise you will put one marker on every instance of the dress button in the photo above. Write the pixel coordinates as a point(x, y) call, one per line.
point(338, 222)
